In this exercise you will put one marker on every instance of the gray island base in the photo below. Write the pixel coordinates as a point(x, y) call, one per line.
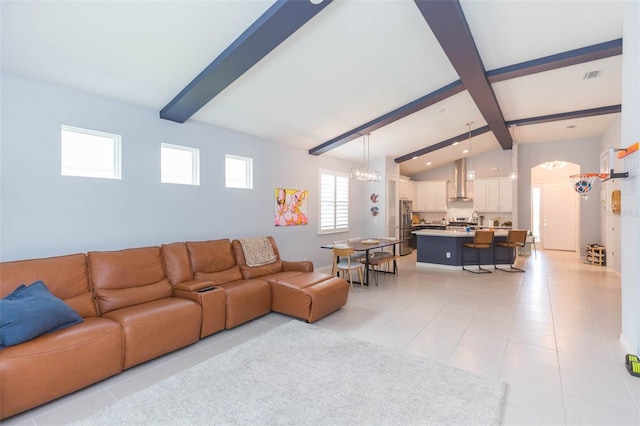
point(443, 248)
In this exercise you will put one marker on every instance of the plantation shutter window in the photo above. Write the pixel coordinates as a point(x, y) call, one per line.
point(334, 202)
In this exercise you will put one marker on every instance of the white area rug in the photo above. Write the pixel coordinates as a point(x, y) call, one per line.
point(302, 374)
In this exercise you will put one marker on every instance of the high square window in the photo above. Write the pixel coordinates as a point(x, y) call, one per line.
point(180, 164)
point(90, 153)
point(238, 172)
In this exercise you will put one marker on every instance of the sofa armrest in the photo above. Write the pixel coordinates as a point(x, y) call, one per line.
point(192, 285)
point(301, 266)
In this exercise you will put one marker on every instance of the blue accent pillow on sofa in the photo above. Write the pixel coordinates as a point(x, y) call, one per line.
point(30, 311)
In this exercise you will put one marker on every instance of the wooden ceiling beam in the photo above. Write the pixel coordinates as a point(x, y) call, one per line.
point(272, 28)
point(450, 28)
point(560, 60)
point(390, 117)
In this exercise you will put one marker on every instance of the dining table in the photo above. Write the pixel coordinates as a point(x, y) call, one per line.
point(366, 246)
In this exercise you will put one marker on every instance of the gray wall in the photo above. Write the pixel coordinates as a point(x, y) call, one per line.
point(586, 153)
point(45, 214)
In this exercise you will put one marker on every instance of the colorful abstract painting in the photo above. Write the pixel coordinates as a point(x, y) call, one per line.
point(291, 207)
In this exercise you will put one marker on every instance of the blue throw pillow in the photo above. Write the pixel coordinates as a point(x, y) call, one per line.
point(30, 311)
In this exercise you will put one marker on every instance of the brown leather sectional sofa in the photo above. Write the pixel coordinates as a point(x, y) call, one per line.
point(140, 303)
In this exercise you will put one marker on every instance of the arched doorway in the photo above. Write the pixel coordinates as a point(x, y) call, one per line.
point(555, 210)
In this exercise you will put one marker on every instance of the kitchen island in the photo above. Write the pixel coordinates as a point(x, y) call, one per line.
point(443, 248)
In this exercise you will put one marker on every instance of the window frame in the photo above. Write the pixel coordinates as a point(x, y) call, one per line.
point(248, 175)
point(337, 200)
point(195, 163)
point(116, 171)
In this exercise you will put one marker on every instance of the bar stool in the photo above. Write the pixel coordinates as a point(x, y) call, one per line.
point(515, 238)
point(482, 240)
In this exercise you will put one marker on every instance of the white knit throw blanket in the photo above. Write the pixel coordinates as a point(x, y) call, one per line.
point(257, 251)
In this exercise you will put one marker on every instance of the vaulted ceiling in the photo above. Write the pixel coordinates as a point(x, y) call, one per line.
point(320, 74)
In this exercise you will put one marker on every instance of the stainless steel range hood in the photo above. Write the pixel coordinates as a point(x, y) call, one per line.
point(460, 181)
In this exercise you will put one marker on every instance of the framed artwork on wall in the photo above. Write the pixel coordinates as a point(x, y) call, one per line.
point(290, 207)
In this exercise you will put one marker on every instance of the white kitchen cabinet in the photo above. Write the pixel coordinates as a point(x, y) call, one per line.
point(431, 196)
point(412, 190)
point(404, 189)
point(493, 195)
point(420, 201)
point(480, 195)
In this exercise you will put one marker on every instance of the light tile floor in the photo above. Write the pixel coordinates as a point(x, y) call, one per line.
point(551, 333)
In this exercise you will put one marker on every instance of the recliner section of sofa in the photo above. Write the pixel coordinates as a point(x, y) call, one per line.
point(215, 262)
point(140, 303)
point(132, 288)
point(64, 361)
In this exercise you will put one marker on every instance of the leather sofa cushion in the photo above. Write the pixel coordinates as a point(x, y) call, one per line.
point(296, 279)
point(176, 262)
point(65, 276)
point(246, 300)
point(211, 256)
point(154, 328)
point(127, 277)
point(222, 277)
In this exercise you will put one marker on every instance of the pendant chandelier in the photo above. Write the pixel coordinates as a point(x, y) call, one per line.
point(471, 174)
point(365, 173)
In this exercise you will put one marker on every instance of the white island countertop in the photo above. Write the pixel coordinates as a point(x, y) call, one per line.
point(455, 233)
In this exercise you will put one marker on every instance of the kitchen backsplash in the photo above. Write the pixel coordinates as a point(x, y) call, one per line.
point(454, 212)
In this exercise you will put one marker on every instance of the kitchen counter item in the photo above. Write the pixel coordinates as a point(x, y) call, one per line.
point(455, 233)
point(427, 226)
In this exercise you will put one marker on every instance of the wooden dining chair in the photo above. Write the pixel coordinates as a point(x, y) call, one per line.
point(516, 238)
point(482, 240)
point(342, 262)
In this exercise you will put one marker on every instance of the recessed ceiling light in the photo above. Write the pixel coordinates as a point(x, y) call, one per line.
point(414, 157)
point(442, 110)
point(572, 126)
point(455, 143)
point(428, 163)
point(465, 151)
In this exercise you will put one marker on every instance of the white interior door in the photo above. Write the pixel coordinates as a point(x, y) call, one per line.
point(559, 217)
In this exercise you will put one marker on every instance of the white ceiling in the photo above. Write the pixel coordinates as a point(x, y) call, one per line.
point(353, 62)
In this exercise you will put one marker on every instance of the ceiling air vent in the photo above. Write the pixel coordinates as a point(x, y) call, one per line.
point(591, 74)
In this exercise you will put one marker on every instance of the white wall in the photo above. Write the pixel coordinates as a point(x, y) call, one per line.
point(46, 214)
point(482, 164)
point(630, 187)
point(586, 153)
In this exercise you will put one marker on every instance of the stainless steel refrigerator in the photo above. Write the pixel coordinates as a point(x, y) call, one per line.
point(406, 215)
